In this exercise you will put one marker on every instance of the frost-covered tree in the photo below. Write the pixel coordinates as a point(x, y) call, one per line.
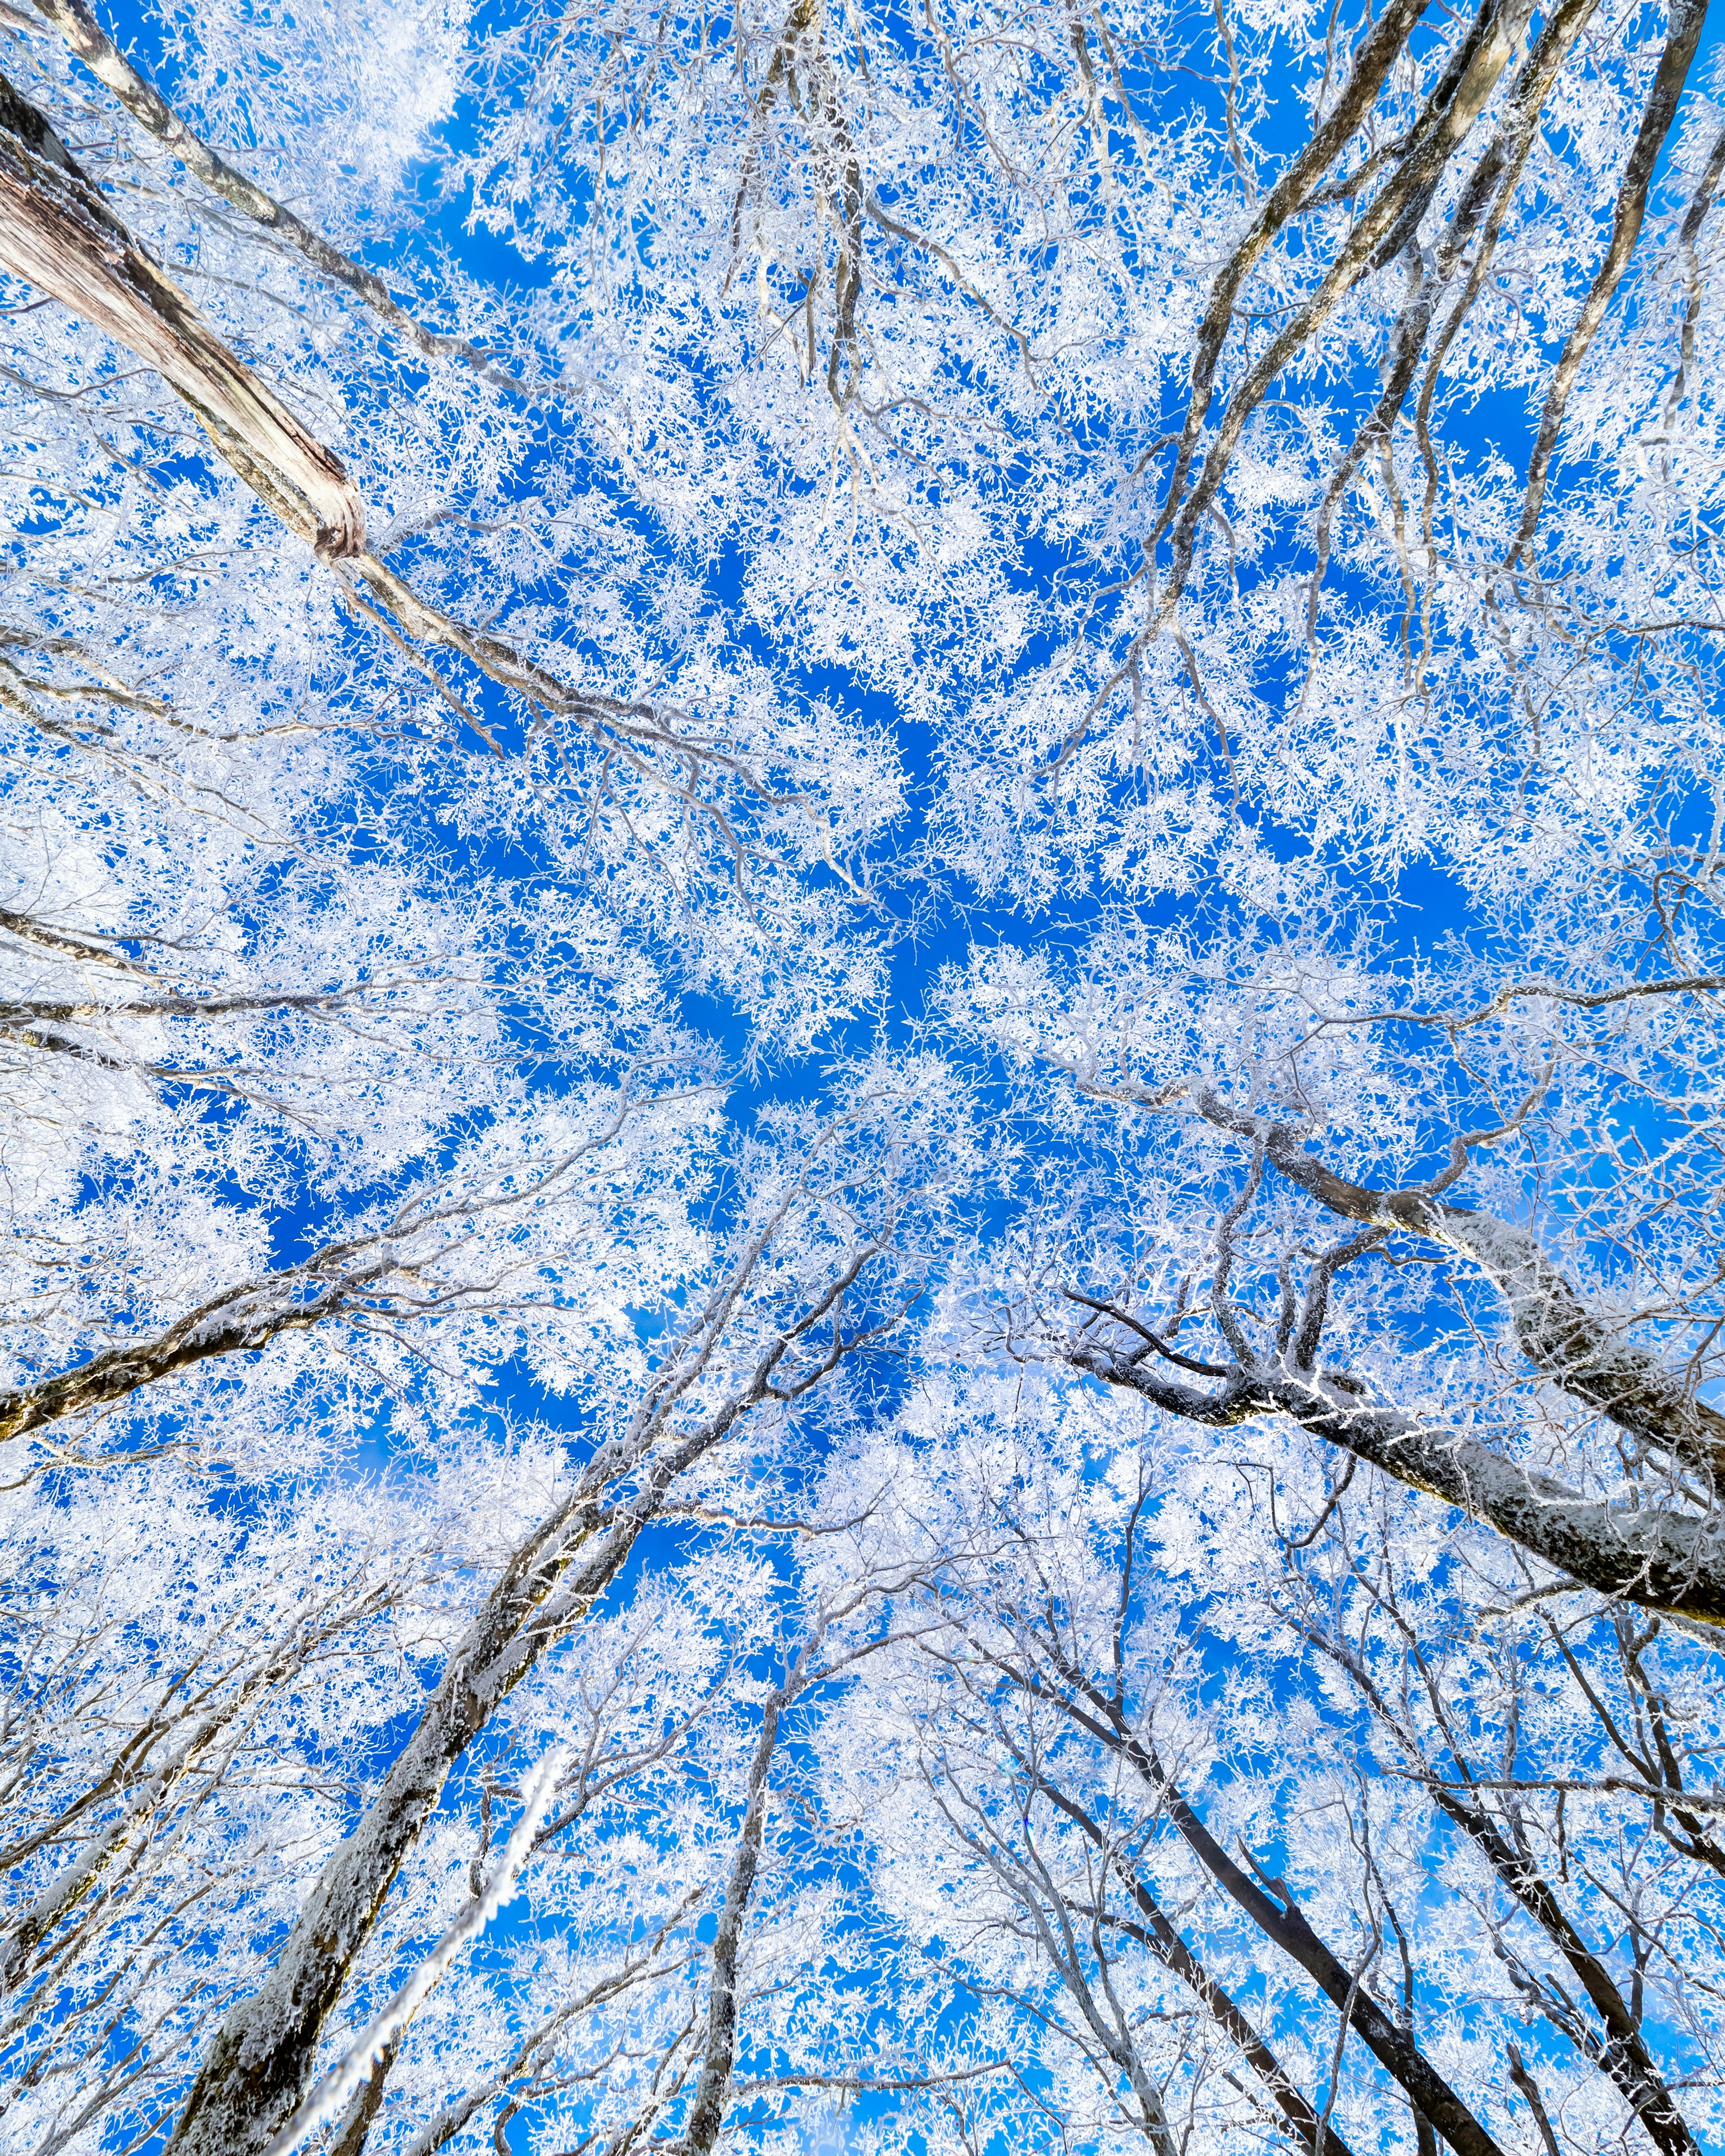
point(862, 910)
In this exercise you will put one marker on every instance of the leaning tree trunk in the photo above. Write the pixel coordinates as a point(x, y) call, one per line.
point(57, 233)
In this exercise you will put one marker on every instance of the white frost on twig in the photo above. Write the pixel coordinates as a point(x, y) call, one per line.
point(333, 2090)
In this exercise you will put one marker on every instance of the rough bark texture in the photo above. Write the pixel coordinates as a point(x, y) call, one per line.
point(1667, 1560)
point(258, 2068)
point(240, 1319)
point(57, 233)
point(84, 36)
point(1560, 1336)
point(1687, 20)
point(712, 2091)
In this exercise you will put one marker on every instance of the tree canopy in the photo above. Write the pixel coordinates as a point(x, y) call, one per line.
point(864, 914)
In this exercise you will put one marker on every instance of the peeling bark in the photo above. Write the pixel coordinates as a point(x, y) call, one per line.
point(57, 233)
point(84, 36)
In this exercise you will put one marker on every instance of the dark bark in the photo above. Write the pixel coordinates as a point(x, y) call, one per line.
point(1161, 1936)
point(1665, 1560)
point(240, 1320)
point(712, 2089)
point(1378, 53)
point(1457, 98)
point(1281, 1921)
point(258, 2068)
point(1557, 1333)
point(1686, 20)
point(1623, 2053)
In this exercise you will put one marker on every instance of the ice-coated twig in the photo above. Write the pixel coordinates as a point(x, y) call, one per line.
point(332, 2092)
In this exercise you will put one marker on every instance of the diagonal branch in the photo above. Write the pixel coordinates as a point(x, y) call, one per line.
point(1160, 1936)
point(1624, 2054)
point(254, 2072)
point(341, 1277)
point(1560, 1336)
point(85, 37)
point(1687, 17)
point(240, 1319)
point(57, 233)
point(1280, 1919)
point(1663, 1560)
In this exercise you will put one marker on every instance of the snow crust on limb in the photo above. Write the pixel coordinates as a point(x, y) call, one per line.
point(61, 237)
point(932, 1066)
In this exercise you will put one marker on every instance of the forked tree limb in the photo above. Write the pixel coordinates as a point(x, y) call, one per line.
point(1457, 98)
point(1159, 1933)
point(1501, 166)
point(1623, 2053)
point(1558, 1334)
point(256, 2071)
point(1281, 1920)
point(258, 2068)
point(1664, 1561)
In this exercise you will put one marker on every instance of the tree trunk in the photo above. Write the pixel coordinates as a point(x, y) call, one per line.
point(57, 233)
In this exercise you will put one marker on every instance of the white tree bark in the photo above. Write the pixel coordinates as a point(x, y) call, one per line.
point(59, 234)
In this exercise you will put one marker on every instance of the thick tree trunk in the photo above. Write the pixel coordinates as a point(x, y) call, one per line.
point(84, 36)
point(1667, 1561)
point(258, 2067)
point(57, 233)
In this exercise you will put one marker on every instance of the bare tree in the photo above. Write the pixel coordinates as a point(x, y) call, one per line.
point(859, 1078)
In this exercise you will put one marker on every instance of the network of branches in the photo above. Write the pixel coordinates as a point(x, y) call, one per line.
point(862, 898)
